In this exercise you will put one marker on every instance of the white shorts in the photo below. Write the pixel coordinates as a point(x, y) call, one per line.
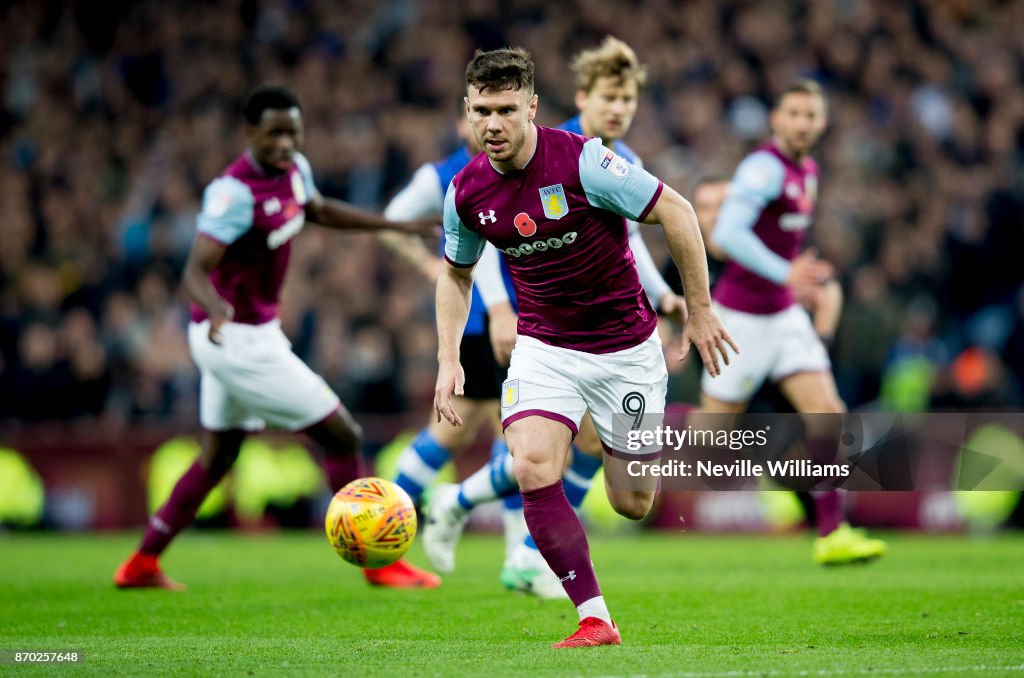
point(772, 346)
point(253, 380)
point(621, 389)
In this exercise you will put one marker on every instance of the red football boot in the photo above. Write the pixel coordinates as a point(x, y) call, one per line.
point(142, 571)
point(591, 633)
point(402, 574)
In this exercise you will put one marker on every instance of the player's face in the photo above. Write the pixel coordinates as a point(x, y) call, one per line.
point(607, 110)
point(501, 121)
point(707, 200)
point(798, 122)
point(277, 138)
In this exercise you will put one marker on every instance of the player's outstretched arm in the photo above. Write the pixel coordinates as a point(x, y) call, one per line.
point(204, 256)
point(703, 328)
point(454, 295)
point(412, 250)
point(342, 216)
point(421, 198)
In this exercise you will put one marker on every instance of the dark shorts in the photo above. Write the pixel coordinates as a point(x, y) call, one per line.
point(484, 376)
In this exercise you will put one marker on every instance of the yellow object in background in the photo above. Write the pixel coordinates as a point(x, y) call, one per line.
point(168, 463)
point(22, 498)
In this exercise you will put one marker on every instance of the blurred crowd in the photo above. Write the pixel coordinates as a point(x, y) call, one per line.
point(114, 115)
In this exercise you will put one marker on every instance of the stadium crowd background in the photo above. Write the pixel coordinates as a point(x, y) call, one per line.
point(114, 115)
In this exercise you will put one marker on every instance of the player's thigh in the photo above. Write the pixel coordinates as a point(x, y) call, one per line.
point(219, 410)
point(587, 440)
point(747, 370)
point(812, 392)
point(272, 383)
point(803, 369)
point(625, 392)
point(542, 381)
point(476, 414)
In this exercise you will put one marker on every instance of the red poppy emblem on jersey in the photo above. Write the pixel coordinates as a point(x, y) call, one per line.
point(525, 225)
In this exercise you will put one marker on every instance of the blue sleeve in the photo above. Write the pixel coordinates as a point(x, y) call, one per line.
point(757, 182)
point(307, 176)
point(227, 210)
point(613, 183)
point(462, 246)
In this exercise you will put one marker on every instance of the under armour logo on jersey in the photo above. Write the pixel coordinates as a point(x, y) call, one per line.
point(569, 577)
point(272, 207)
point(487, 216)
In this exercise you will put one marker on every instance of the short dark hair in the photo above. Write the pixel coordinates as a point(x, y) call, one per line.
point(501, 69)
point(801, 86)
point(268, 97)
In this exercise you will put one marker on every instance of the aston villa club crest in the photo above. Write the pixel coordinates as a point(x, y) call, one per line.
point(552, 198)
point(510, 393)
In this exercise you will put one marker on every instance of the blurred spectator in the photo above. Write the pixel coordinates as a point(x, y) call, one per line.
point(114, 115)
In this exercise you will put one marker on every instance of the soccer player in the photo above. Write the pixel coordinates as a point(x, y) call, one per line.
point(556, 204)
point(249, 376)
point(608, 81)
point(761, 228)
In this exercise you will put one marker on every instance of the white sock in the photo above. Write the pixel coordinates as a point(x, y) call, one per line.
point(594, 607)
point(479, 488)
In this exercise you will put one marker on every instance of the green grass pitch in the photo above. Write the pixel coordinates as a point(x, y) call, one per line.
point(687, 605)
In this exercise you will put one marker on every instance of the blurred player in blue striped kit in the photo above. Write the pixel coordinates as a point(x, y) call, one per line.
point(608, 82)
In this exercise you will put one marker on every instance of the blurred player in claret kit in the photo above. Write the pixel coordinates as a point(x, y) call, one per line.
point(556, 205)
point(608, 81)
point(249, 376)
point(761, 228)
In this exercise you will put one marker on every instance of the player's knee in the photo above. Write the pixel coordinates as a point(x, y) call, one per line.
point(352, 434)
point(534, 466)
point(632, 505)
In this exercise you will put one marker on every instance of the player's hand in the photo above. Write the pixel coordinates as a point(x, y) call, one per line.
point(218, 318)
point(450, 379)
point(809, 296)
point(673, 305)
point(808, 272)
point(503, 324)
point(705, 331)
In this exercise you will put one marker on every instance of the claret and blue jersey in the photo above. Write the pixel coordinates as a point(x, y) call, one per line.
point(762, 226)
point(561, 223)
point(255, 215)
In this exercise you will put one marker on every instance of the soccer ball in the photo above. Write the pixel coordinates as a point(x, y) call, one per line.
point(371, 522)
